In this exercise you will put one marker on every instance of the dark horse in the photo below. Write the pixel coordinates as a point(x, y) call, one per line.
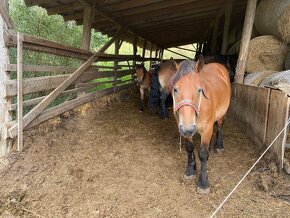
point(161, 87)
point(201, 96)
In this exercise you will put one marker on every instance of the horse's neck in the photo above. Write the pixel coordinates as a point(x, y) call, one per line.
point(145, 74)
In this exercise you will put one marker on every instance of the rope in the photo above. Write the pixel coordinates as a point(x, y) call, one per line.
point(215, 212)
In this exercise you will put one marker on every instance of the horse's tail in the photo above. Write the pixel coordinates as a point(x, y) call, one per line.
point(154, 91)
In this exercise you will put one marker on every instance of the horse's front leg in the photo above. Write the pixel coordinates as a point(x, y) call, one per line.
point(203, 184)
point(190, 172)
point(142, 100)
point(163, 96)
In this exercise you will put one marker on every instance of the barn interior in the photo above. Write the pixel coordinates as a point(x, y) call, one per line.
point(38, 113)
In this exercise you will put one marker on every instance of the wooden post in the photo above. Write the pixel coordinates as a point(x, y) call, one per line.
point(156, 52)
point(87, 27)
point(5, 14)
point(117, 47)
point(144, 48)
point(87, 31)
point(135, 49)
point(245, 41)
point(161, 55)
point(228, 13)
point(5, 103)
point(150, 66)
point(19, 91)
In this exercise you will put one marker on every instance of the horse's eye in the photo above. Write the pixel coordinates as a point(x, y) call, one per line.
point(199, 90)
point(175, 90)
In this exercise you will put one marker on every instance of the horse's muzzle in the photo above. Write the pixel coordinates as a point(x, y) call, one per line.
point(187, 131)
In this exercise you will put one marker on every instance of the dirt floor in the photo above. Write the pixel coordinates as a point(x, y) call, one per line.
point(107, 160)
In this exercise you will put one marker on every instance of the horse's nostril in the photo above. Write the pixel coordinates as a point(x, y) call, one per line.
point(187, 131)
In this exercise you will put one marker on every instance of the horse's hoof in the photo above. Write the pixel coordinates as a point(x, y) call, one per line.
point(202, 191)
point(191, 177)
point(219, 150)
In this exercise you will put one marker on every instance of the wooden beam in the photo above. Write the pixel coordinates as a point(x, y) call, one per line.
point(55, 69)
point(178, 54)
point(19, 92)
point(37, 84)
point(245, 41)
point(5, 14)
point(135, 42)
point(144, 49)
point(228, 13)
point(87, 28)
point(48, 99)
point(185, 49)
point(5, 103)
point(117, 47)
point(57, 110)
point(65, 8)
point(37, 100)
point(103, 11)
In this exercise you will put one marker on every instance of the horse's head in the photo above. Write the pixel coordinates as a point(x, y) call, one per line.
point(187, 94)
point(140, 73)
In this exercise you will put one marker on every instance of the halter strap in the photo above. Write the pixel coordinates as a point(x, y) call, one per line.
point(188, 102)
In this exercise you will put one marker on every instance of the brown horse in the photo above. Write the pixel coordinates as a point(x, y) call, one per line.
point(166, 71)
point(143, 79)
point(201, 96)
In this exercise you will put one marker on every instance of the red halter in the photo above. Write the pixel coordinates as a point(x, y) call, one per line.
point(187, 102)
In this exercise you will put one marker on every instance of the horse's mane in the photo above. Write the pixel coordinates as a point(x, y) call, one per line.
point(185, 67)
point(141, 66)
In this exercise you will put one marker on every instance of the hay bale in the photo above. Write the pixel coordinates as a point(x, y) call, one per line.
point(287, 62)
point(255, 79)
point(266, 53)
point(284, 24)
point(272, 18)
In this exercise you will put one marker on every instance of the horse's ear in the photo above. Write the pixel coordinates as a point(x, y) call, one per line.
point(199, 64)
point(174, 63)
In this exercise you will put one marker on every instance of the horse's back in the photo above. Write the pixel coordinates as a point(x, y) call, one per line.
point(216, 81)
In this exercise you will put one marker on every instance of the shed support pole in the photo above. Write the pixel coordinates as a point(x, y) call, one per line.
point(87, 27)
point(19, 92)
point(135, 49)
point(245, 41)
point(144, 49)
point(87, 30)
point(151, 48)
point(5, 103)
point(228, 13)
point(117, 47)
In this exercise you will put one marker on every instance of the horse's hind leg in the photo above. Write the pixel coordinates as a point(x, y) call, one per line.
point(163, 96)
point(203, 185)
point(219, 147)
point(142, 100)
point(190, 171)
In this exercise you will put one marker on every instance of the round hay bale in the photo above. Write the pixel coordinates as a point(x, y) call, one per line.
point(287, 62)
point(284, 24)
point(255, 79)
point(272, 18)
point(266, 53)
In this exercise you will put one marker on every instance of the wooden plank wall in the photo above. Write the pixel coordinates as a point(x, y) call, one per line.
point(261, 113)
point(278, 116)
point(249, 105)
